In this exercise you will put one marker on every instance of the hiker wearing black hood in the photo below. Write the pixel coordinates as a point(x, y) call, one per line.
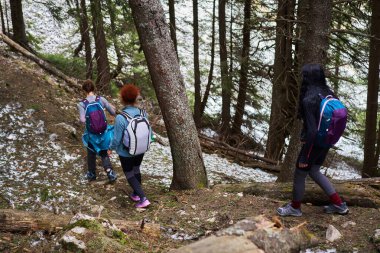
point(311, 156)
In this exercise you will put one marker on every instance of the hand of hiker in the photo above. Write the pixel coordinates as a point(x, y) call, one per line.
point(109, 152)
point(302, 165)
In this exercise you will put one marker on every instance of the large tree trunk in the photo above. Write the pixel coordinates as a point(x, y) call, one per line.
point(197, 73)
point(243, 82)
point(188, 168)
point(173, 28)
point(317, 14)
point(85, 34)
point(363, 193)
point(18, 24)
point(226, 84)
point(282, 105)
point(370, 164)
point(211, 71)
point(112, 12)
point(3, 28)
point(102, 63)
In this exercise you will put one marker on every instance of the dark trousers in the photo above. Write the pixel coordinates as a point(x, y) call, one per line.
point(131, 169)
point(91, 159)
point(315, 161)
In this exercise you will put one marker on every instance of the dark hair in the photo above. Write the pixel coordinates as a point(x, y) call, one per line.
point(313, 84)
point(88, 86)
point(129, 93)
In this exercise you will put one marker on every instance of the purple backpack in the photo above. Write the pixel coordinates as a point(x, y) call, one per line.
point(332, 121)
point(96, 121)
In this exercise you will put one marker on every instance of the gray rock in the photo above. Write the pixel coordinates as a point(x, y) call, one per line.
point(332, 234)
point(72, 244)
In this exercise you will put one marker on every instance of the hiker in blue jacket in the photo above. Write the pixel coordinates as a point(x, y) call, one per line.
point(312, 156)
point(130, 163)
point(98, 134)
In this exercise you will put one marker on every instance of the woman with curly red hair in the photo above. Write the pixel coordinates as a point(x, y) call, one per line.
point(130, 163)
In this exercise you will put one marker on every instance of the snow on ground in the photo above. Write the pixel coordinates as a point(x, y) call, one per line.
point(34, 168)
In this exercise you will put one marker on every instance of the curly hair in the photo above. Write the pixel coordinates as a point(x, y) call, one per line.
point(129, 93)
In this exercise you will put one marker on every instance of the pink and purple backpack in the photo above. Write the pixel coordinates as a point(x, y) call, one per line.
point(96, 121)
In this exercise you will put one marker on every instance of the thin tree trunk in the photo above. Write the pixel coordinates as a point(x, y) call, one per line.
point(85, 30)
point(18, 24)
point(103, 67)
point(197, 74)
point(370, 164)
point(2, 18)
point(243, 82)
point(211, 71)
point(112, 13)
point(6, 16)
point(282, 106)
point(317, 14)
point(188, 168)
point(226, 85)
point(377, 155)
point(173, 28)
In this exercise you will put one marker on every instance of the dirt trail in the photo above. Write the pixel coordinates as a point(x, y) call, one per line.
point(42, 167)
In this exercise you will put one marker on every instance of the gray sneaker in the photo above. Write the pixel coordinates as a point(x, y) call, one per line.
point(288, 210)
point(342, 209)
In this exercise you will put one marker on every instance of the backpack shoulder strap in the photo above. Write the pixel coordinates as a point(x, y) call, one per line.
point(126, 115)
point(97, 99)
point(85, 102)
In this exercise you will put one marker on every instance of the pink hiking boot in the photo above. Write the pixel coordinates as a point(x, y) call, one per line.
point(143, 203)
point(134, 197)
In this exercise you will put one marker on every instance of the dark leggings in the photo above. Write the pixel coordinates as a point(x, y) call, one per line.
point(131, 168)
point(91, 159)
point(316, 159)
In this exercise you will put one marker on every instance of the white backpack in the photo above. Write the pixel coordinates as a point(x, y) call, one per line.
point(137, 134)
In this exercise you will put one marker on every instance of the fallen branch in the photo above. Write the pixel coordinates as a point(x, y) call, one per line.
point(17, 221)
point(43, 64)
point(363, 193)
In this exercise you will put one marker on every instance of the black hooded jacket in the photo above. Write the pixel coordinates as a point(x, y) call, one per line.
point(309, 112)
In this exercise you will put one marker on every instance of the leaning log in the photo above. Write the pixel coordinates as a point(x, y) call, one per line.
point(17, 221)
point(362, 193)
point(43, 64)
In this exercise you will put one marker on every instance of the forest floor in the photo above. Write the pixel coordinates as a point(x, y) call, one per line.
point(42, 166)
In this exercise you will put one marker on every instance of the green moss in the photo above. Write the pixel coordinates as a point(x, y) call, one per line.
point(120, 236)
point(89, 224)
point(35, 107)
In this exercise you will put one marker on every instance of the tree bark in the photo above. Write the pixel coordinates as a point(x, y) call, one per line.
point(18, 24)
point(244, 66)
point(197, 74)
point(370, 164)
point(283, 104)
point(51, 69)
point(316, 32)
point(226, 84)
point(361, 193)
point(85, 33)
point(211, 71)
point(173, 27)
point(112, 13)
point(102, 63)
point(188, 168)
point(3, 28)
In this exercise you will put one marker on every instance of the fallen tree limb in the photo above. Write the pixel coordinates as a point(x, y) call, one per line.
point(17, 221)
point(363, 193)
point(225, 146)
point(43, 64)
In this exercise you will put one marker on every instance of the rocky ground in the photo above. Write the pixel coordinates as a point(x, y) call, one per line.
point(42, 168)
